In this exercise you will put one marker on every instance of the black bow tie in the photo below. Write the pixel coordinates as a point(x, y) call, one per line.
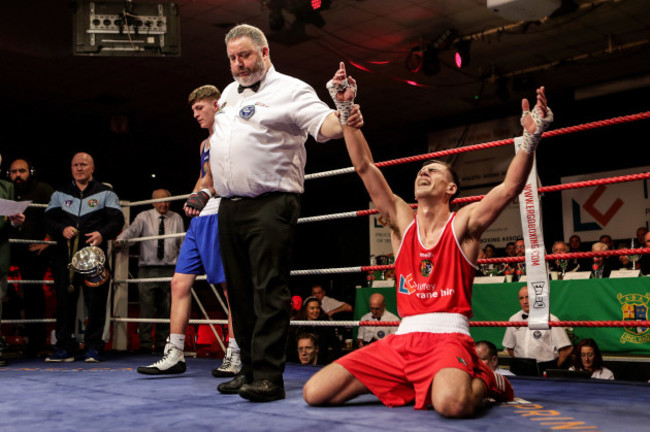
point(255, 87)
point(524, 316)
point(378, 319)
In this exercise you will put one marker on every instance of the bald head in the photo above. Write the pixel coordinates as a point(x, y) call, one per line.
point(163, 206)
point(377, 305)
point(83, 167)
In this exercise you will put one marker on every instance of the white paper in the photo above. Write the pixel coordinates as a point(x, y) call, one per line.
point(577, 275)
point(10, 208)
point(615, 274)
point(489, 279)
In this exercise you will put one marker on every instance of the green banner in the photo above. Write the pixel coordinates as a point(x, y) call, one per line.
point(574, 300)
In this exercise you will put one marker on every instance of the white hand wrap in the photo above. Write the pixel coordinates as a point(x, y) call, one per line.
point(343, 107)
point(532, 139)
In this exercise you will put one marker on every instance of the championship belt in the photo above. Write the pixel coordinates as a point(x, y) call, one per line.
point(89, 262)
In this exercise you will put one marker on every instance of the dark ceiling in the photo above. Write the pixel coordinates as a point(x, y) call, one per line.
point(54, 103)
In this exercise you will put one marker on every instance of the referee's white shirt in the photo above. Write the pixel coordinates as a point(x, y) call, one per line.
point(258, 144)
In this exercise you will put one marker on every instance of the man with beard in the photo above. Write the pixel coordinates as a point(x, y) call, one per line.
point(32, 259)
point(258, 160)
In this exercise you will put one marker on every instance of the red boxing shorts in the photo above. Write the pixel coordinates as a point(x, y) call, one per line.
point(400, 368)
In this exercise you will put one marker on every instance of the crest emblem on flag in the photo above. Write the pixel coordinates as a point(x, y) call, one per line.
point(634, 307)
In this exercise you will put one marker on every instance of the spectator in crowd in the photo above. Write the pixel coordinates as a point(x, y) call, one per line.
point(83, 213)
point(600, 267)
point(639, 241)
point(307, 348)
point(329, 346)
point(549, 347)
point(610, 262)
point(562, 266)
point(607, 239)
point(6, 225)
point(378, 312)
point(157, 259)
point(487, 353)
point(489, 251)
point(32, 259)
point(510, 249)
point(644, 262)
point(520, 251)
point(329, 305)
point(575, 245)
point(588, 358)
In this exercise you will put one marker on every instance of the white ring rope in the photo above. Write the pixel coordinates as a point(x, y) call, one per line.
point(29, 282)
point(159, 279)
point(154, 237)
point(25, 241)
point(327, 271)
point(332, 216)
point(329, 173)
point(153, 200)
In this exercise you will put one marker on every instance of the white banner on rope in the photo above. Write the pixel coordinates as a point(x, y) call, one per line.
point(536, 274)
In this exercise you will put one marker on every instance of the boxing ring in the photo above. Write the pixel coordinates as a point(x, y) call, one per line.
point(112, 396)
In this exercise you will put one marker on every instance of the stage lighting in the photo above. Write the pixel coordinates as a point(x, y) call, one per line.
point(461, 53)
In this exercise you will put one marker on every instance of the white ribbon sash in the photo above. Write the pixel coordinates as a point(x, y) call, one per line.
point(536, 274)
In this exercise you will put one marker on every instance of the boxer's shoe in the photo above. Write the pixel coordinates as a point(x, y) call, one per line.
point(173, 362)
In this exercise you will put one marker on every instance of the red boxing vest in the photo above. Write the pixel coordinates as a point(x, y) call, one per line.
point(433, 280)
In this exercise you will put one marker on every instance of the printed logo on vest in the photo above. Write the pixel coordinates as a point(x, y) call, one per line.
point(426, 267)
point(92, 203)
point(407, 285)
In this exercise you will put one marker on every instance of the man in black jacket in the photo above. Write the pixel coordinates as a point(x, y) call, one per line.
point(83, 213)
point(32, 259)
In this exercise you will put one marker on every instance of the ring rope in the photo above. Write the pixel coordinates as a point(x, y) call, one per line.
point(464, 200)
point(549, 257)
point(154, 237)
point(487, 145)
point(159, 279)
point(29, 282)
point(599, 324)
point(26, 241)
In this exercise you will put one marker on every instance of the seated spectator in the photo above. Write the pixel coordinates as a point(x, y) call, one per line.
point(562, 266)
point(489, 251)
point(510, 249)
point(378, 312)
point(589, 358)
point(639, 241)
point(644, 262)
point(575, 245)
point(487, 353)
point(307, 348)
point(600, 268)
point(329, 345)
point(330, 305)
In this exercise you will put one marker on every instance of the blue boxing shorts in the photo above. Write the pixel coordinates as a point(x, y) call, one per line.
point(200, 251)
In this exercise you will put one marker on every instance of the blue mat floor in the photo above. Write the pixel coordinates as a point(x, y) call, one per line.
point(111, 396)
